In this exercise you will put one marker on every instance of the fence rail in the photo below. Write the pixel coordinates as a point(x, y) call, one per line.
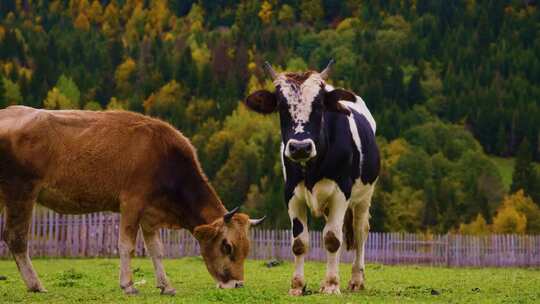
point(96, 235)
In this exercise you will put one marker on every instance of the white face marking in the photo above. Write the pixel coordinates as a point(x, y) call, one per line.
point(300, 98)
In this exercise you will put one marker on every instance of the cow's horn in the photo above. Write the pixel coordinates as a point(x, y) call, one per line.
point(257, 221)
point(270, 70)
point(326, 72)
point(227, 217)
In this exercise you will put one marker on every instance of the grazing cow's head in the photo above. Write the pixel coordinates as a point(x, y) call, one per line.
point(300, 99)
point(224, 247)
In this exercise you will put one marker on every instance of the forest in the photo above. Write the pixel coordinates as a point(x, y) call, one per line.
point(452, 84)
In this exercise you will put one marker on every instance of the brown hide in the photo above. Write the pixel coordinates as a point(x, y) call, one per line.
point(83, 161)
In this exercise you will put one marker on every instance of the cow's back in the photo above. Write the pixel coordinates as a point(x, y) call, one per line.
point(83, 160)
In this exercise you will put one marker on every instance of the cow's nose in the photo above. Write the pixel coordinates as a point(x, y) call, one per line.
point(239, 285)
point(301, 150)
point(300, 147)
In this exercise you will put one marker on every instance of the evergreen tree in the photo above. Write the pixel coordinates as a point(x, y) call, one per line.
point(14, 75)
point(187, 70)
point(414, 90)
point(430, 209)
point(24, 85)
point(501, 141)
point(536, 189)
point(377, 216)
point(524, 174)
point(116, 49)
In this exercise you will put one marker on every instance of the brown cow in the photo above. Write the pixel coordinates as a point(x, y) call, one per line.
point(78, 162)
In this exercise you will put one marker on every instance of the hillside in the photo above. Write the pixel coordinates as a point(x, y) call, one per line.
point(445, 80)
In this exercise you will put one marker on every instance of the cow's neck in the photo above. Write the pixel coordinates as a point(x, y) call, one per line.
point(191, 199)
point(205, 209)
point(213, 209)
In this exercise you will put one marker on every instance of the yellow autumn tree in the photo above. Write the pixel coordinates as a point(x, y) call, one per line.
point(196, 18)
point(199, 110)
point(508, 220)
point(525, 207)
point(2, 33)
point(311, 10)
point(82, 22)
point(394, 150)
point(478, 226)
point(265, 13)
point(55, 6)
point(286, 14)
point(158, 16)
point(166, 103)
point(135, 25)
point(56, 100)
point(123, 75)
point(77, 7)
point(93, 106)
point(95, 12)
point(116, 104)
point(164, 98)
point(111, 23)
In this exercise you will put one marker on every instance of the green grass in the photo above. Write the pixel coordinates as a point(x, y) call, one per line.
point(506, 168)
point(95, 281)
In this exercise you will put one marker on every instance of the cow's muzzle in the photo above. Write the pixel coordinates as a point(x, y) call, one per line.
point(300, 150)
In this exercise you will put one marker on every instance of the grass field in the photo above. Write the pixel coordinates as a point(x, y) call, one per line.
point(506, 168)
point(95, 281)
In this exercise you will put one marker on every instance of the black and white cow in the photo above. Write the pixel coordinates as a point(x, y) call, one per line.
point(330, 164)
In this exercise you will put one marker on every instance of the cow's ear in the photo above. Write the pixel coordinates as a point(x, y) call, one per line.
point(332, 98)
point(205, 232)
point(262, 101)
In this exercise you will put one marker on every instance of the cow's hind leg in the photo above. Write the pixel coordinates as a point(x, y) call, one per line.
point(361, 230)
point(300, 243)
point(129, 225)
point(333, 240)
point(18, 215)
point(155, 247)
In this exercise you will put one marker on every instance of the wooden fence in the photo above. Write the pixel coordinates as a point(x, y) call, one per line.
point(96, 235)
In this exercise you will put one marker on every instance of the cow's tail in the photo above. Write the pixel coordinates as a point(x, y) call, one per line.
point(348, 229)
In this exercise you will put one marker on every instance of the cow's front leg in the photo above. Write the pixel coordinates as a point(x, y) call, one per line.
point(333, 239)
point(300, 243)
point(19, 214)
point(155, 247)
point(129, 225)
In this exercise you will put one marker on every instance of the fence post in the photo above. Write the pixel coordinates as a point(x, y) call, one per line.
point(447, 247)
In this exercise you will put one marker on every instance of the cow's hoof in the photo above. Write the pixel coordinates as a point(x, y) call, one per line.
point(355, 285)
point(298, 286)
point(330, 289)
point(296, 292)
point(330, 286)
point(130, 290)
point(168, 291)
point(357, 281)
point(37, 289)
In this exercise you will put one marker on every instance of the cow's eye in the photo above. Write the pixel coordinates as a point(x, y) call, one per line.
point(226, 248)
